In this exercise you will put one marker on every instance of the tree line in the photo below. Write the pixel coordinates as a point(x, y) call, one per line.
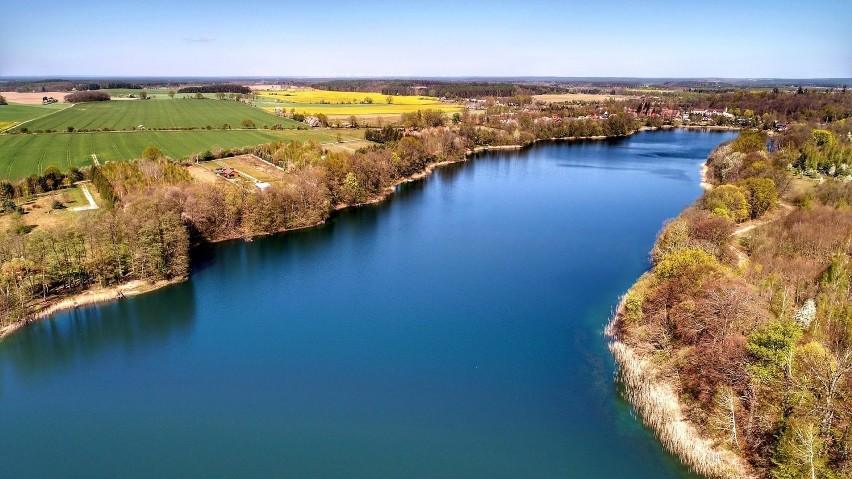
point(87, 96)
point(216, 88)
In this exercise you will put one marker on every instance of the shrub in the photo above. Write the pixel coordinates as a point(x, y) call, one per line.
point(152, 153)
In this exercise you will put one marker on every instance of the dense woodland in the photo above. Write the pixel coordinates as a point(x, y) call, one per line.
point(155, 211)
point(429, 88)
point(755, 330)
point(216, 88)
point(87, 96)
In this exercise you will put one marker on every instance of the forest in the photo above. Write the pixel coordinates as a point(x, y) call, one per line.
point(87, 96)
point(753, 329)
point(425, 88)
point(155, 210)
point(216, 88)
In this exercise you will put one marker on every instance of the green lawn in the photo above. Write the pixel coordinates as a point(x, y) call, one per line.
point(127, 114)
point(24, 154)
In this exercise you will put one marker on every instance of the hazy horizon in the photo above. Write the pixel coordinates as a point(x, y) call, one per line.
point(376, 38)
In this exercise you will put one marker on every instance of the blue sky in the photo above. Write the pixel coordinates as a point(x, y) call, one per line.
point(653, 38)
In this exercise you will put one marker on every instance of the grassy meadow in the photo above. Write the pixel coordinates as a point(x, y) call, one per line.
point(183, 113)
point(341, 104)
point(22, 155)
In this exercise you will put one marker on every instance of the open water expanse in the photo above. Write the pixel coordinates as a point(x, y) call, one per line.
point(452, 331)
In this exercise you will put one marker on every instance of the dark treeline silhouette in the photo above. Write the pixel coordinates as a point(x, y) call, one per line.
point(817, 105)
point(424, 88)
point(87, 96)
point(384, 135)
point(217, 88)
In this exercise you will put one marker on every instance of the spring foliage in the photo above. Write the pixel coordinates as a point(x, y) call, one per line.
point(761, 351)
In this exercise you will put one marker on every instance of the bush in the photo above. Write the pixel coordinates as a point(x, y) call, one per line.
point(152, 153)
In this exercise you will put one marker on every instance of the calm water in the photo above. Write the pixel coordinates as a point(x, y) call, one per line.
point(454, 331)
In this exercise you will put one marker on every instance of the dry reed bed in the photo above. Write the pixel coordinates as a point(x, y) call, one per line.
point(660, 409)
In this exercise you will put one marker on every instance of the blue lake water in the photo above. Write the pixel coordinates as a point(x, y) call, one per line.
point(452, 331)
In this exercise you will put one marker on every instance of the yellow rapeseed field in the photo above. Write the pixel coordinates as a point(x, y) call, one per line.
point(340, 103)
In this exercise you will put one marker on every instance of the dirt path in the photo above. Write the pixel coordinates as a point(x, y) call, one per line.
point(92, 205)
point(781, 212)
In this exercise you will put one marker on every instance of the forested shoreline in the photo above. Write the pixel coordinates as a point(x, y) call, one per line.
point(751, 333)
point(744, 319)
point(155, 211)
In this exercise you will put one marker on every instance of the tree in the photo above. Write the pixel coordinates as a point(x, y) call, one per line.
point(2, 100)
point(824, 138)
point(143, 95)
point(761, 195)
point(152, 153)
point(350, 190)
point(353, 121)
point(199, 96)
point(247, 123)
point(171, 93)
point(727, 201)
point(801, 453)
point(749, 141)
point(389, 99)
point(772, 347)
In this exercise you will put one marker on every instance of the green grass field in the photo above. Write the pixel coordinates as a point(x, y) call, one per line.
point(23, 155)
point(14, 113)
point(126, 114)
point(156, 93)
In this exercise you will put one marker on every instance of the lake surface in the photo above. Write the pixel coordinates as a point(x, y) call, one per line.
point(453, 331)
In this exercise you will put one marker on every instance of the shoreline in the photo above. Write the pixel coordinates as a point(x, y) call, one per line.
point(661, 410)
point(659, 406)
point(98, 294)
point(90, 296)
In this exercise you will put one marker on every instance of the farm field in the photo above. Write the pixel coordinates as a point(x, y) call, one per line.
point(128, 114)
point(25, 154)
point(32, 98)
point(569, 97)
point(341, 105)
point(13, 113)
point(155, 93)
